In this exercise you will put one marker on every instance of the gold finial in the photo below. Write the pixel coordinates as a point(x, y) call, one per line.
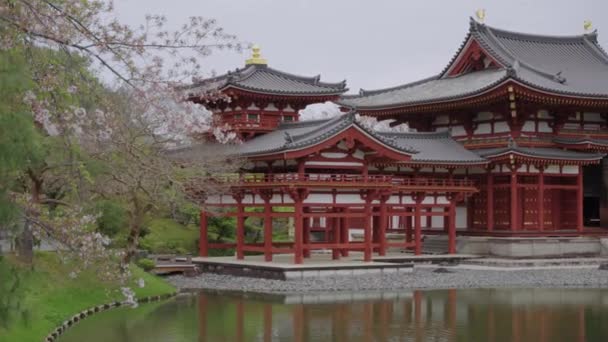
point(587, 25)
point(256, 57)
point(481, 14)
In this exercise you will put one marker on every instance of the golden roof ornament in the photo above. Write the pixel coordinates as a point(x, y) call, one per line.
point(481, 14)
point(256, 57)
point(587, 25)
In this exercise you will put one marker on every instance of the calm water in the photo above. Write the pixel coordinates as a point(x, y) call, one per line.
point(447, 315)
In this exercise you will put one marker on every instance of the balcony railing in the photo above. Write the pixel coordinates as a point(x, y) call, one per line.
point(342, 179)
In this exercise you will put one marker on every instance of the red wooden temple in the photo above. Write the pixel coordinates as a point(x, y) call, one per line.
point(507, 140)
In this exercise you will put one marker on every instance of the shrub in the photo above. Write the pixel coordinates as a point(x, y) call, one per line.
point(146, 264)
point(113, 218)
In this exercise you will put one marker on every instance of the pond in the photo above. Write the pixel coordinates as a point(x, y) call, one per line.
point(437, 315)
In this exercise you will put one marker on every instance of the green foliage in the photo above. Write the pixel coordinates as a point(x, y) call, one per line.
point(113, 218)
point(49, 296)
point(187, 214)
point(19, 140)
point(167, 236)
point(146, 264)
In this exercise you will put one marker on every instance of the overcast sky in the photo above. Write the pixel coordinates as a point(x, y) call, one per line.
point(372, 44)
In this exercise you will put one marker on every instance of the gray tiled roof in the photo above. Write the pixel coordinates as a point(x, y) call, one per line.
point(428, 90)
point(261, 78)
point(438, 147)
point(580, 141)
point(572, 65)
point(538, 152)
point(424, 147)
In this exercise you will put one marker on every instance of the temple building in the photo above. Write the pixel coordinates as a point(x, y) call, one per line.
point(255, 99)
point(506, 141)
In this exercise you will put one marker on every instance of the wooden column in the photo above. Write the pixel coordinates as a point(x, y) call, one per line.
point(514, 200)
point(267, 228)
point(579, 200)
point(344, 234)
point(490, 201)
point(367, 231)
point(429, 218)
point(452, 226)
point(308, 221)
point(418, 224)
point(240, 228)
point(383, 221)
point(203, 242)
point(408, 225)
point(299, 230)
point(541, 198)
point(336, 237)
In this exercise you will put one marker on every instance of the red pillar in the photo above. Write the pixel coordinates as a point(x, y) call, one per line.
point(541, 199)
point(452, 227)
point(383, 221)
point(240, 230)
point(429, 218)
point(267, 230)
point(579, 200)
point(203, 242)
point(336, 236)
point(418, 227)
point(514, 200)
point(344, 234)
point(306, 234)
point(299, 230)
point(408, 225)
point(367, 232)
point(490, 201)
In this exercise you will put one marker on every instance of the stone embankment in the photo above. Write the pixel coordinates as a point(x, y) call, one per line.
point(428, 277)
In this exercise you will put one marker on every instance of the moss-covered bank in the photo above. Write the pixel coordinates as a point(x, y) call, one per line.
point(33, 301)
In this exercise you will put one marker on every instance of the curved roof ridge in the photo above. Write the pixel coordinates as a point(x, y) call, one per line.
point(363, 92)
point(596, 48)
point(300, 124)
point(328, 123)
point(437, 134)
point(531, 36)
point(313, 80)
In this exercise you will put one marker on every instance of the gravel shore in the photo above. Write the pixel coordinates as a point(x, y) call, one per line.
point(420, 278)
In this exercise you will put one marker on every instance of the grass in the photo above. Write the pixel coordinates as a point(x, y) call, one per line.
point(46, 295)
point(168, 236)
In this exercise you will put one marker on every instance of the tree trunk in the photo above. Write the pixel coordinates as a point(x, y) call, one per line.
point(134, 231)
point(25, 240)
point(25, 244)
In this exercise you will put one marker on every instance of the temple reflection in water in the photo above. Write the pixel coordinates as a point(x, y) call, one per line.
point(446, 315)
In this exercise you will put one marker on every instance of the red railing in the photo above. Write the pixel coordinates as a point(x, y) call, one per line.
point(387, 180)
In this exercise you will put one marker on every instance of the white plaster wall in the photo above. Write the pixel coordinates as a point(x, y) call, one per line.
point(319, 198)
point(528, 126)
point(543, 127)
point(552, 169)
point(570, 169)
point(458, 131)
point(271, 107)
point(484, 116)
point(349, 198)
point(501, 127)
point(483, 128)
point(588, 116)
point(328, 163)
point(441, 120)
point(334, 155)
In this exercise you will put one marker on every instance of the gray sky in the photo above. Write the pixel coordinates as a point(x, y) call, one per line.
point(372, 44)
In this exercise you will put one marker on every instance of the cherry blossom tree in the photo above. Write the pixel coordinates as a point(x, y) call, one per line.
point(111, 142)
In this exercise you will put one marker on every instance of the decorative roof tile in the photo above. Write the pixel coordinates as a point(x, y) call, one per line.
point(437, 148)
point(569, 65)
point(263, 79)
